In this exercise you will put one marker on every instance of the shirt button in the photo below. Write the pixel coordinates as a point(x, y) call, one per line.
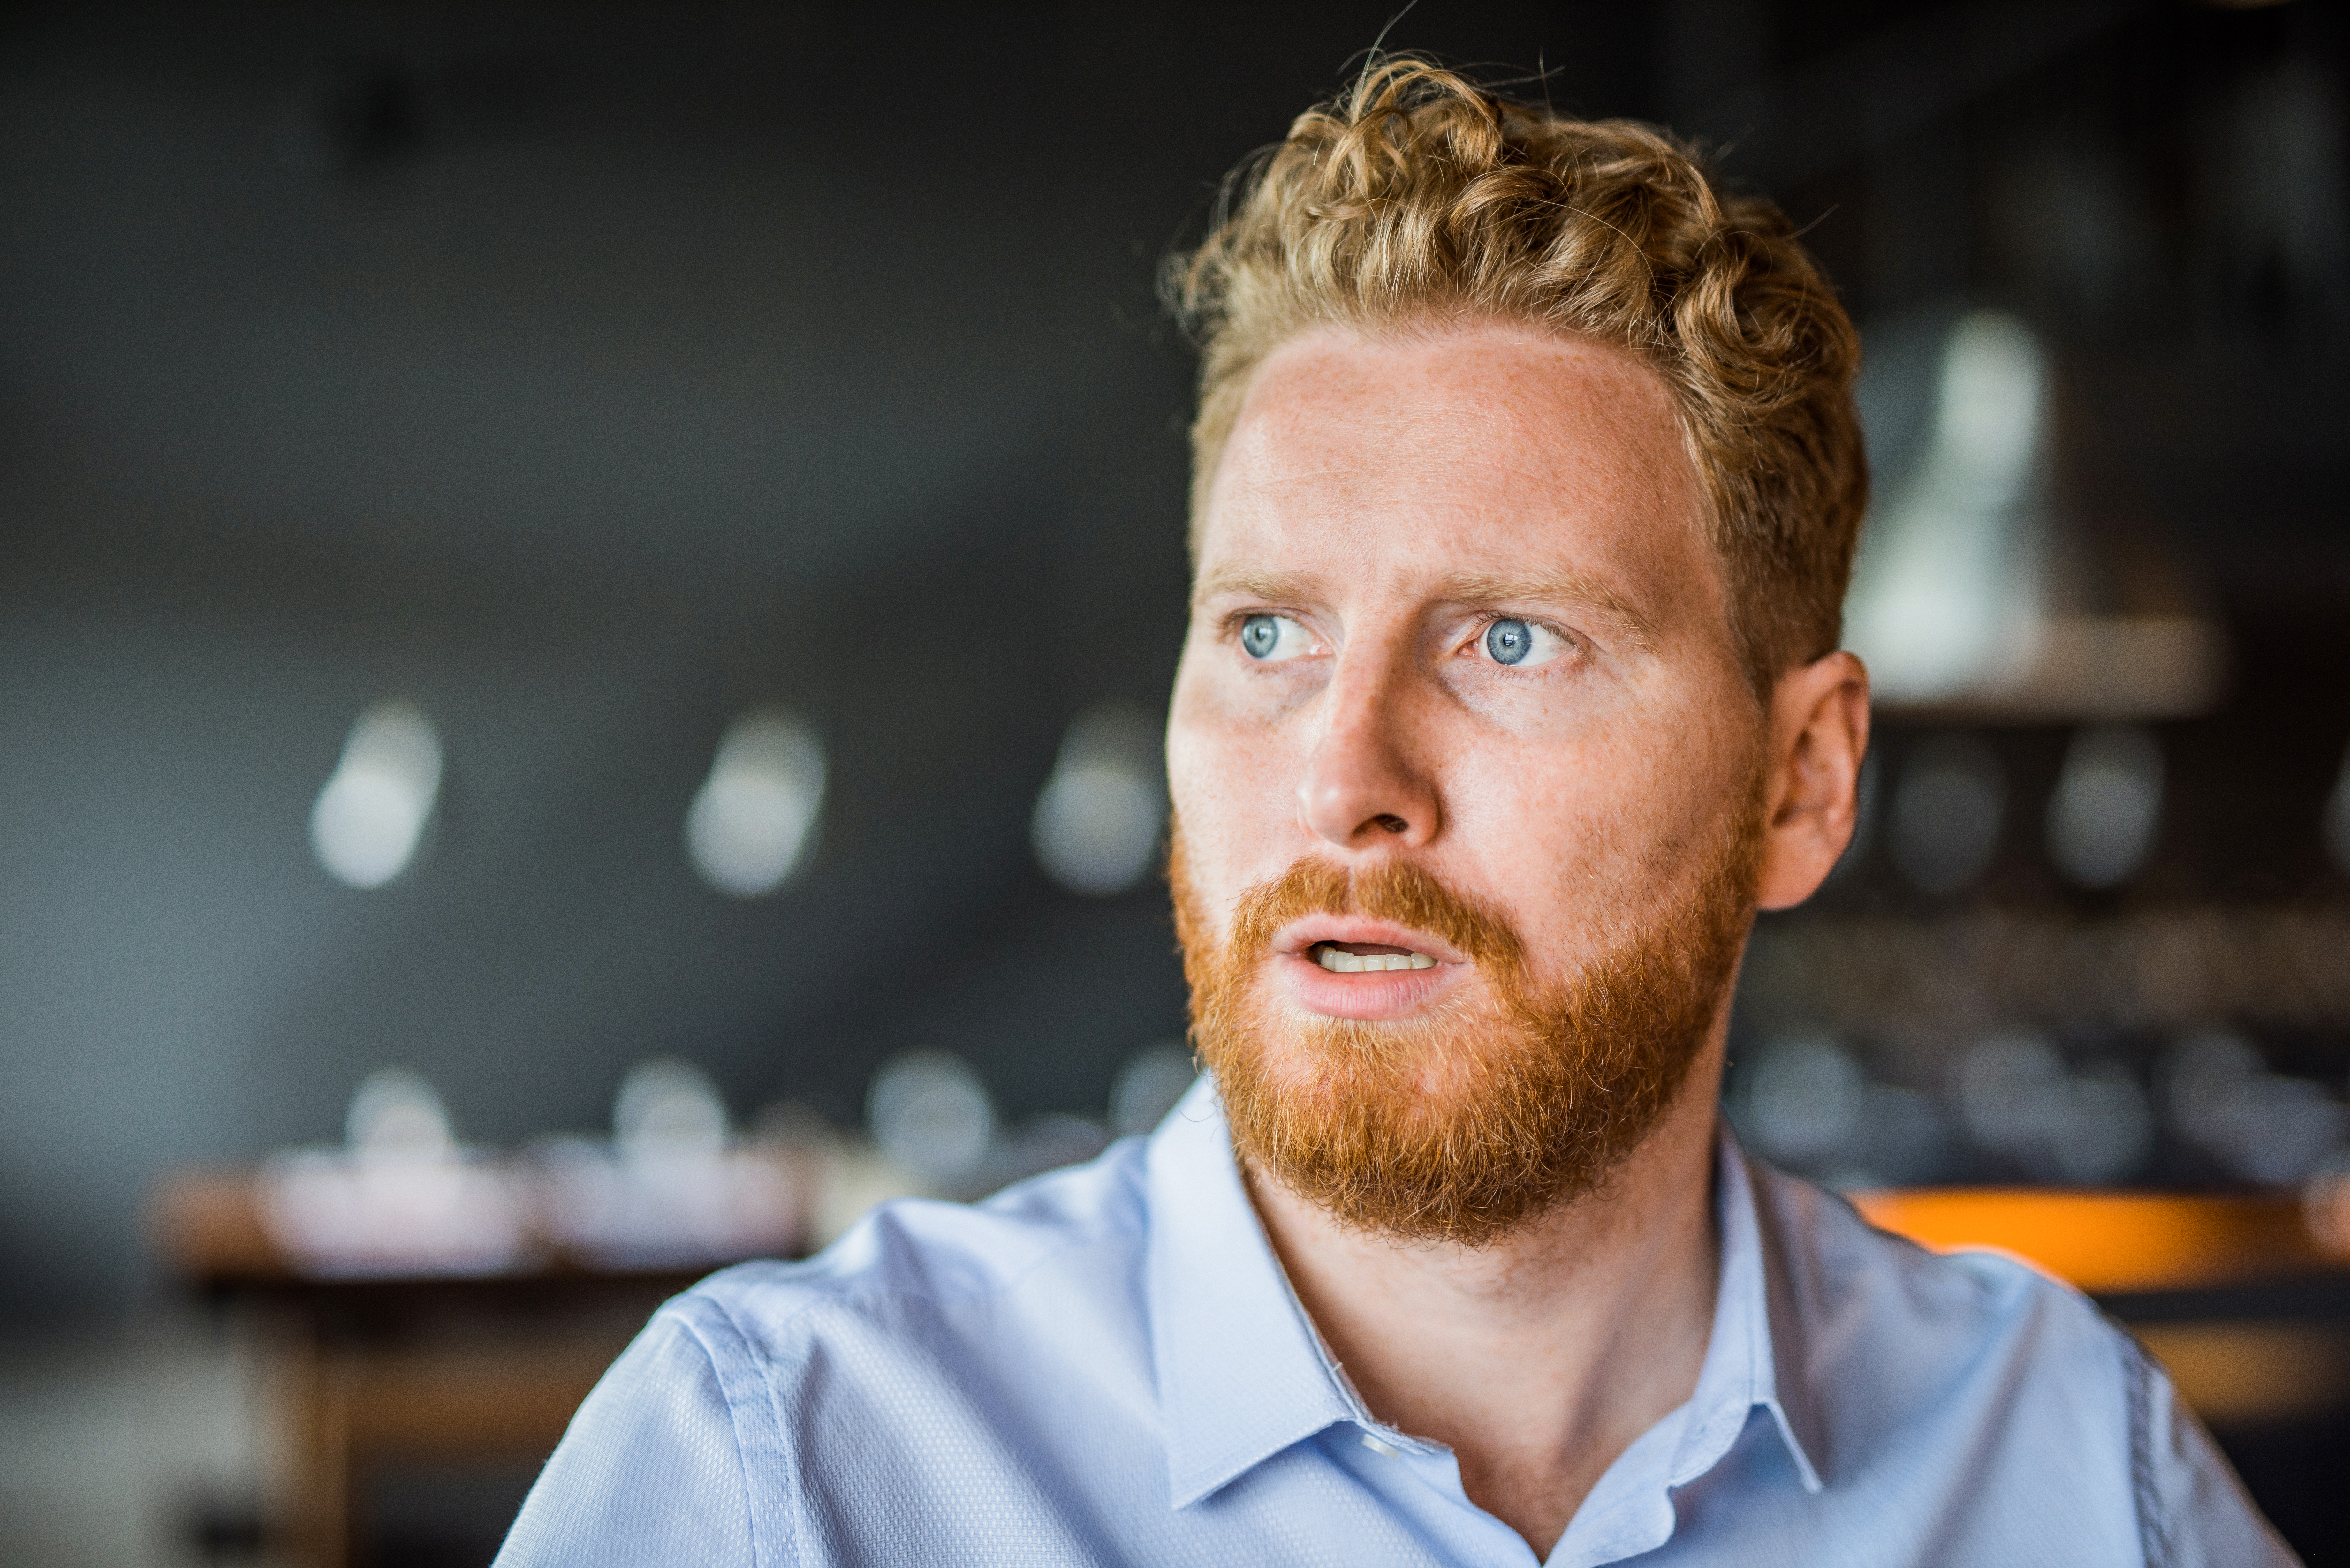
point(1376, 1447)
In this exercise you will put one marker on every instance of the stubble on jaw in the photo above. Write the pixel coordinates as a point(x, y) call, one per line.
point(1467, 1122)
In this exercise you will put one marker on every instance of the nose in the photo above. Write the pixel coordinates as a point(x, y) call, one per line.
point(1361, 786)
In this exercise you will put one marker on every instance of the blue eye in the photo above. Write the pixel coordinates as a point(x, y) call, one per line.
point(1523, 643)
point(1509, 641)
point(1272, 637)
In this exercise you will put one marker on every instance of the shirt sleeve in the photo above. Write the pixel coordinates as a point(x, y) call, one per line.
point(2192, 1511)
point(650, 1471)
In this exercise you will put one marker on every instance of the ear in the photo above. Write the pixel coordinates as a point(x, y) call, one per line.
point(1819, 733)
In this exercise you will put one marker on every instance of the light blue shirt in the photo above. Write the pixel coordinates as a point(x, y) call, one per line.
point(1107, 1365)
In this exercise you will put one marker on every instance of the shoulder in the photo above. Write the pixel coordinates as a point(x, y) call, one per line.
point(1056, 1245)
point(650, 1471)
point(911, 1343)
point(1928, 1368)
point(1966, 1387)
point(1855, 1290)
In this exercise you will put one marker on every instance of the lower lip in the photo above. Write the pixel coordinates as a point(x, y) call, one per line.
point(1388, 993)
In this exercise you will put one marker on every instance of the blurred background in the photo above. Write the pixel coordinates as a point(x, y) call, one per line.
point(587, 595)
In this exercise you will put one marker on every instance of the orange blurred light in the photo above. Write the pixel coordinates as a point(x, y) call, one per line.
point(2108, 1241)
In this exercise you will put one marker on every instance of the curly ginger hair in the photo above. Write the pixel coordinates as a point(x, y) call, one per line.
point(1418, 197)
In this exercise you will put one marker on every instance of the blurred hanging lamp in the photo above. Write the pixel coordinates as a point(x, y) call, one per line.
point(1971, 598)
point(748, 828)
point(1097, 823)
point(370, 820)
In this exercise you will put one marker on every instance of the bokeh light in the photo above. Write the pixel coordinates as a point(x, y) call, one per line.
point(1149, 1085)
point(400, 1197)
point(669, 1187)
point(1804, 1099)
point(1097, 825)
point(371, 815)
point(931, 1113)
point(748, 827)
point(1946, 812)
point(667, 1105)
point(2108, 801)
point(397, 1114)
point(2258, 1126)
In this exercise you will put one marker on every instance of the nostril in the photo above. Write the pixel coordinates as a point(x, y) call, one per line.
point(1391, 821)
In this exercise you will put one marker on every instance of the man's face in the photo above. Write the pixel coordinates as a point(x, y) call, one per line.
point(1465, 769)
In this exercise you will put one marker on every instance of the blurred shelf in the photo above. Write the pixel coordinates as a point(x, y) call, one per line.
point(208, 1228)
point(384, 1369)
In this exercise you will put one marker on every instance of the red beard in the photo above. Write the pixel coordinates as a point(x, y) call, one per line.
point(1464, 1125)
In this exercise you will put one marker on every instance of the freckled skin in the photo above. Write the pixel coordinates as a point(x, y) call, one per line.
point(1392, 497)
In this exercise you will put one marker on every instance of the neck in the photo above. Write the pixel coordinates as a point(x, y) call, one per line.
point(1542, 1357)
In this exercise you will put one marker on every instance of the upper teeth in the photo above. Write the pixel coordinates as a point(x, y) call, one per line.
point(1344, 962)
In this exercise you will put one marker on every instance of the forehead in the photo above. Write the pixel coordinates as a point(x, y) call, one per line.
point(1473, 449)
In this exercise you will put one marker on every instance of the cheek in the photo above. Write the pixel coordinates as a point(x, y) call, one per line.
point(1534, 817)
point(1232, 787)
point(1571, 835)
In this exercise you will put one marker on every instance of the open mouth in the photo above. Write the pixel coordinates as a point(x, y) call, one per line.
point(1368, 957)
point(1352, 966)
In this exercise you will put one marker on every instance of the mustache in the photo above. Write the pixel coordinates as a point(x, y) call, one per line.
point(1400, 891)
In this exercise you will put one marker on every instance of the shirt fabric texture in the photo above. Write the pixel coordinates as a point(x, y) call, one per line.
point(1107, 1365)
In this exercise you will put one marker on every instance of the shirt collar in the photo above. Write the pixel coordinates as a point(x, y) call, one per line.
point(1754, 1356)
point(1242, 1375)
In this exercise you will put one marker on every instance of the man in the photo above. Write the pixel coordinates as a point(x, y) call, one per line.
point(1527, 480)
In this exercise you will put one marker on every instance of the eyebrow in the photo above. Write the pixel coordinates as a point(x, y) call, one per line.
point(1631, 622)
point(1276, 588)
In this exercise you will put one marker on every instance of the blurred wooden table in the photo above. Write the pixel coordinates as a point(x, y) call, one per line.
point(377, 1371)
